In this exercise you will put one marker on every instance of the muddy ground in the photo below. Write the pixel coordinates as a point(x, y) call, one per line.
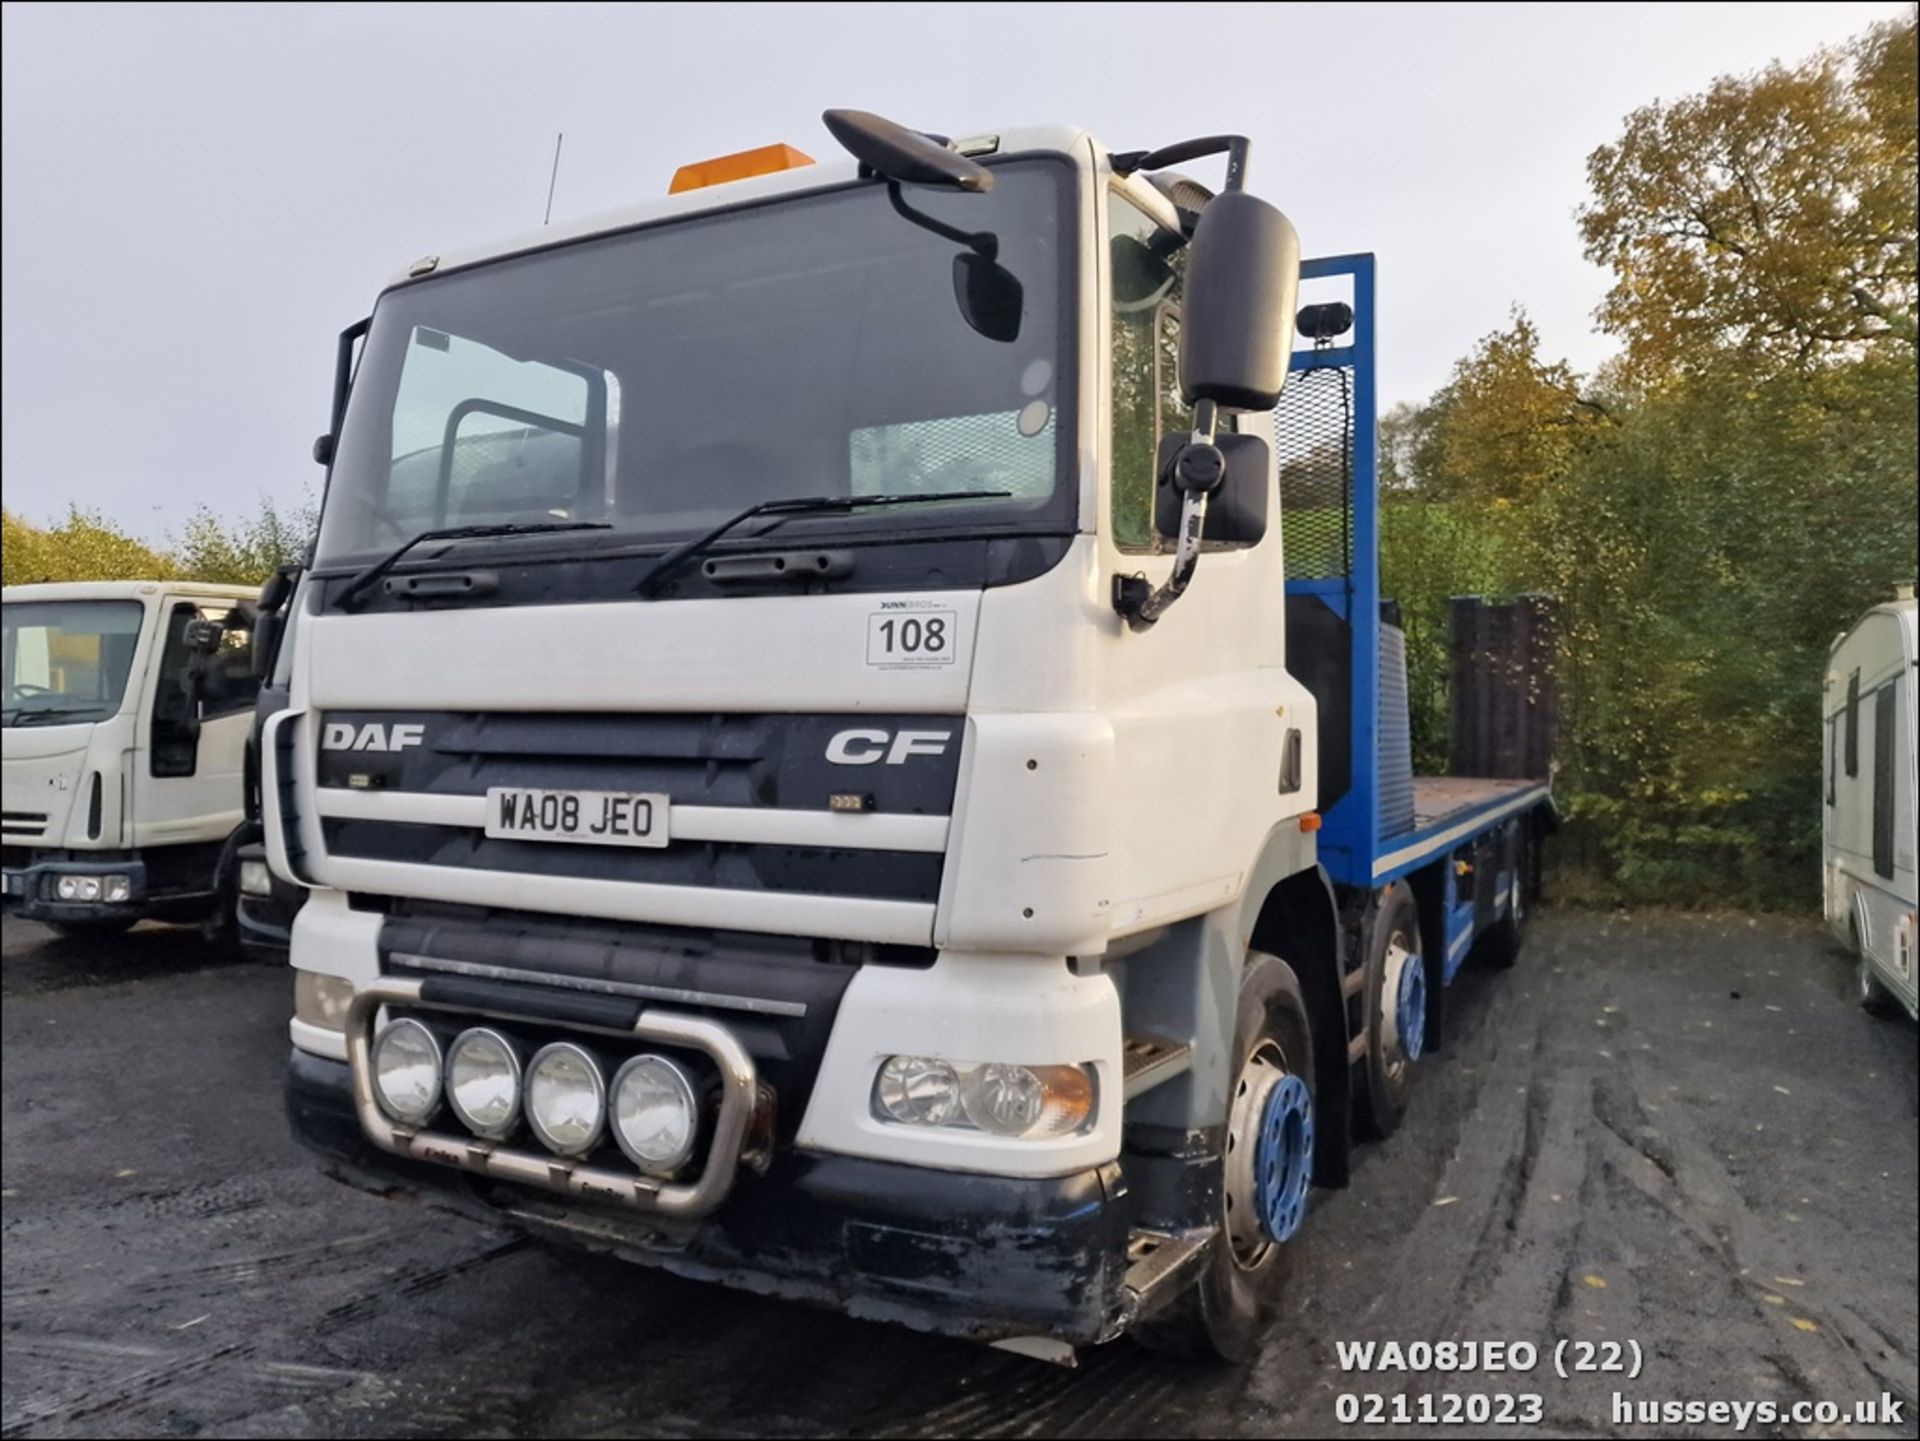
point(1676, 1131)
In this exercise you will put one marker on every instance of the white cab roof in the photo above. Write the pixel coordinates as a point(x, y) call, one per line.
point(834, 167)
point(140, 590)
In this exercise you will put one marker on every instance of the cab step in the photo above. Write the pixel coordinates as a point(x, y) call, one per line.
point(1158, 1263)
point(1146, 1061)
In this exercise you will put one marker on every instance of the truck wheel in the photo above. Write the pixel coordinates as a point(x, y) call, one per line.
point(1501, 944)
point(1265, 1173)
point(1397, 982)
point(91, 930)
point(220, 927)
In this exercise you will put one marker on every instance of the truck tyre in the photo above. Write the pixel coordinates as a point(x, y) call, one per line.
point(1501, 944)
point(1398, 982)
point(91, 930)
point(1265, 1174)
point(220, 927)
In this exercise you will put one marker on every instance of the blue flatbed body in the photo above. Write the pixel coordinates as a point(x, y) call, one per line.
point(1380, 822)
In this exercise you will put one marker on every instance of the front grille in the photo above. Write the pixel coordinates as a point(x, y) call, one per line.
point(419, 803)
point(22, 823)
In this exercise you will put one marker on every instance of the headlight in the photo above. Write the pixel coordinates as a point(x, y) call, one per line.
point(321, 1000)
point(566, 1099)
point(77, 888)
point(654, 1114)
point(115, 888)
point(406, 1072)
point(918, 1090)
point(483, 1082)
point(255, 879)
point(1029, 1102)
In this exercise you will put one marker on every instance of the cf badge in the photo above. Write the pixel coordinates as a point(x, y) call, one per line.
point(865, 747)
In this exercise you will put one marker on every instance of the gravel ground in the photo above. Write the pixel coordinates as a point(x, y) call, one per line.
point(1675, 1131)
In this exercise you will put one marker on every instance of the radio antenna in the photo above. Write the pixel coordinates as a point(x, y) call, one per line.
point(554, 178)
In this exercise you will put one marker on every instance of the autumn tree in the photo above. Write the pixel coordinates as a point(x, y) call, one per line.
point(245, 551)
point(1504, 425)
point(87, 546)
point(1772, 216)
point(83, 546)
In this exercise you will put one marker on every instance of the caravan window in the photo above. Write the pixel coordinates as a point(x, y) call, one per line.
point(1884, 738)
point(1853, 724)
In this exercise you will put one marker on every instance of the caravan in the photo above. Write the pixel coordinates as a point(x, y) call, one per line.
point(1869, 800)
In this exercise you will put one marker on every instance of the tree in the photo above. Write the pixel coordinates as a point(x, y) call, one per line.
point(1772, 216)
point(1502, 428)
point(85, 546)
point(82, 547)
point(244, 552)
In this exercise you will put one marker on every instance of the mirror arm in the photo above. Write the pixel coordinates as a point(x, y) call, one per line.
point(981, 242)
point(1198, 472)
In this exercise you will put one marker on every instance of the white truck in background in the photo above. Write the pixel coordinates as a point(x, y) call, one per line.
point(127, 706)
point(844, 740)
point(1867, 830)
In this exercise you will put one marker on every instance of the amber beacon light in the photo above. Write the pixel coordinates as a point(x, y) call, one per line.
point(742, 165)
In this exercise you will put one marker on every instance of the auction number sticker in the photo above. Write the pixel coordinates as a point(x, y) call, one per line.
point(911, 635)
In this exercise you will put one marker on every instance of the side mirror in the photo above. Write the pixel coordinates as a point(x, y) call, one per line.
point(1243, 286)
point(323, 449)
point(203, 637)
point(1237, 509)
point(266, 643)
point(991, 297)
point(276, 589)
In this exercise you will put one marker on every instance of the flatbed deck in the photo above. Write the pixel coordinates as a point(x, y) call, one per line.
point(1437, 799)
point(1448, 809)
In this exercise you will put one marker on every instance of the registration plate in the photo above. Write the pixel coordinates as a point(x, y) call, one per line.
point(592, 818)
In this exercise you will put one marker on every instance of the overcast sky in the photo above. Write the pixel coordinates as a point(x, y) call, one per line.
point(196, 200)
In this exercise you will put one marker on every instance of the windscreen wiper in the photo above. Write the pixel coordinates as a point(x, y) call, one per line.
point(454, 532)
point(674, 559)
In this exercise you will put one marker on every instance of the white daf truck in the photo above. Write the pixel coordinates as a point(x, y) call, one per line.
point(127, 708)
point(1868, 822)
point(844, 741)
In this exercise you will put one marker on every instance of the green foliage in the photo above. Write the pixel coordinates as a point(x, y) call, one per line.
point(86, 546)
point(247, 551)
point(1742, 490)
point(1772, 217)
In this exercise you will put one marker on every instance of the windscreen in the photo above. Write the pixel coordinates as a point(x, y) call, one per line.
point(870, 340)
point(66, 661)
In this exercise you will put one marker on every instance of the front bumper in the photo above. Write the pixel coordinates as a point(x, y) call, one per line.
point(983, 1257)
point(28, 891)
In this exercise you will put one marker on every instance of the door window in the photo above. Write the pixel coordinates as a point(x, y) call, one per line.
point(1146, 264)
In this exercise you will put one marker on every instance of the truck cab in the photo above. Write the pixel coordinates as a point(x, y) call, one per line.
point(799, 761)
point(127, 706)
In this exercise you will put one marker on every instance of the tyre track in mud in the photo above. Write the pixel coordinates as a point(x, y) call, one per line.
point(1581, 1160)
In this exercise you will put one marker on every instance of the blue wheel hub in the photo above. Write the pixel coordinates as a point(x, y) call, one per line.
point(1283, 1158)
point(1410, 1008)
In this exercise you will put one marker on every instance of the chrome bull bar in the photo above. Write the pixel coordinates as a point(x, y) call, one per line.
point(739, 1095)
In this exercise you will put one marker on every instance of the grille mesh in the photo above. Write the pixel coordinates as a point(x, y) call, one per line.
point(1313, 441)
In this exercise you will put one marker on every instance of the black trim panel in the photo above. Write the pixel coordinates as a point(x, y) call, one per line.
point(706, 759)
point(801, 870)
